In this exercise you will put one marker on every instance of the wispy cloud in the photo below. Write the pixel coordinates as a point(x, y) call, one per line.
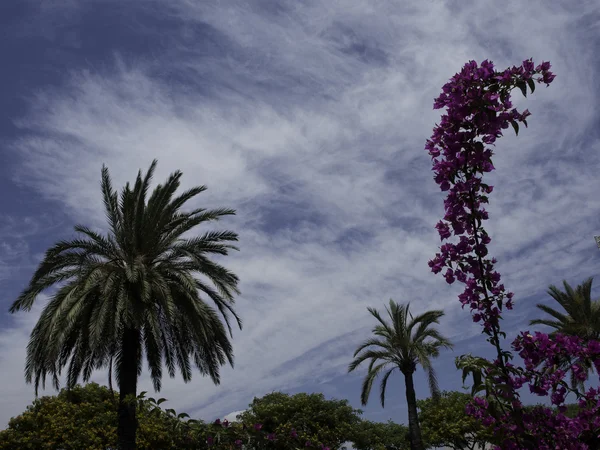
point(309, 118)
point(16, 233)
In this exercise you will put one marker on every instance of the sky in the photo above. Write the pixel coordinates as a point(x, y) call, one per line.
point(309, 118)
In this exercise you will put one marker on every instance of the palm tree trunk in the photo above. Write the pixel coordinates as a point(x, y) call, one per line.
point(127, 426)
point(414, 430)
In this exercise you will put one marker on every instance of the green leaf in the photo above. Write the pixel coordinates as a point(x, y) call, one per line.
point(521, 85)
point(524, 122)
point(476, 389)
point(515, 125)
point(142, 394)
point(476, 379)
point(161, 400)
point(531, 84)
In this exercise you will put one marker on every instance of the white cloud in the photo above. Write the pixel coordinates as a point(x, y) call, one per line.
point(13, 344)
point(232, 416)
point(312, 126)
point(15, 232)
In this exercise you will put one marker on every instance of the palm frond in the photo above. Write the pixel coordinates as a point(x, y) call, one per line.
point(368, 383)
point(552, 312)
point(432, 381)
point(550, 323)
point(383, 323)
point(423, 322)
point(383, 386)
point(375, 343)
point(111, 203)
point(369, 354)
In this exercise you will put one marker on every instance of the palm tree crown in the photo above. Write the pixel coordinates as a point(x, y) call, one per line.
point(135, 290)
point(581, 318)
point(582, 314)
point(404, 343)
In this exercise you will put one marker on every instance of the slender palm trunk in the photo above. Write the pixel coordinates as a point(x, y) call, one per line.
point(416, 442)
point(127, 426)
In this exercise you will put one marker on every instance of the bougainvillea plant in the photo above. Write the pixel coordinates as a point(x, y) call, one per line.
point(479, 108)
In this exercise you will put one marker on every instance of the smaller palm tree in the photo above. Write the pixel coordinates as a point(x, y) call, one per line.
point(582, 315)
point(404, 343)
point(581, 318)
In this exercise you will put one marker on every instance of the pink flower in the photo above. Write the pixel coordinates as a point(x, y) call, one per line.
point(443, 230)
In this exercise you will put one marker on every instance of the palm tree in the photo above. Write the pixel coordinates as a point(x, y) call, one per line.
point(581, 317)
point(140, 289)
point(403, 343)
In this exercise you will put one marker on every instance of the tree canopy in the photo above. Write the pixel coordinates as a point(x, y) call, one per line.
point(314, 418)
point(369, 435)
point(86, 418)
point(445, 423)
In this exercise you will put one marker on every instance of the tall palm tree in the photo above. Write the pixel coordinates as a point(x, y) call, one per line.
point(581, 317)
point(140, 289)
point(403, 343)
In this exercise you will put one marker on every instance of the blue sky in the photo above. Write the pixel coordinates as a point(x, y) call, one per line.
point(310, 119)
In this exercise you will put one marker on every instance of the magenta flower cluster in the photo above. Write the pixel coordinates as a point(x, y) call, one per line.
point(542, 355)
point(479, 108)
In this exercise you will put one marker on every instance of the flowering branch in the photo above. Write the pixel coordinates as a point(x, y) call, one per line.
point(479, 108)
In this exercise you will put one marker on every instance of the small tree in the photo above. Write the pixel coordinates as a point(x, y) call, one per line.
point(312, 417)
point(85, 417)
point(445, 423)
point(380, 436)
point(403, 344)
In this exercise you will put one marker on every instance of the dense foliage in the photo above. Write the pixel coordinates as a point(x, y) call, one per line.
point(314, 418)
point(445, 423)
point(86, 418)
point(369, 435)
